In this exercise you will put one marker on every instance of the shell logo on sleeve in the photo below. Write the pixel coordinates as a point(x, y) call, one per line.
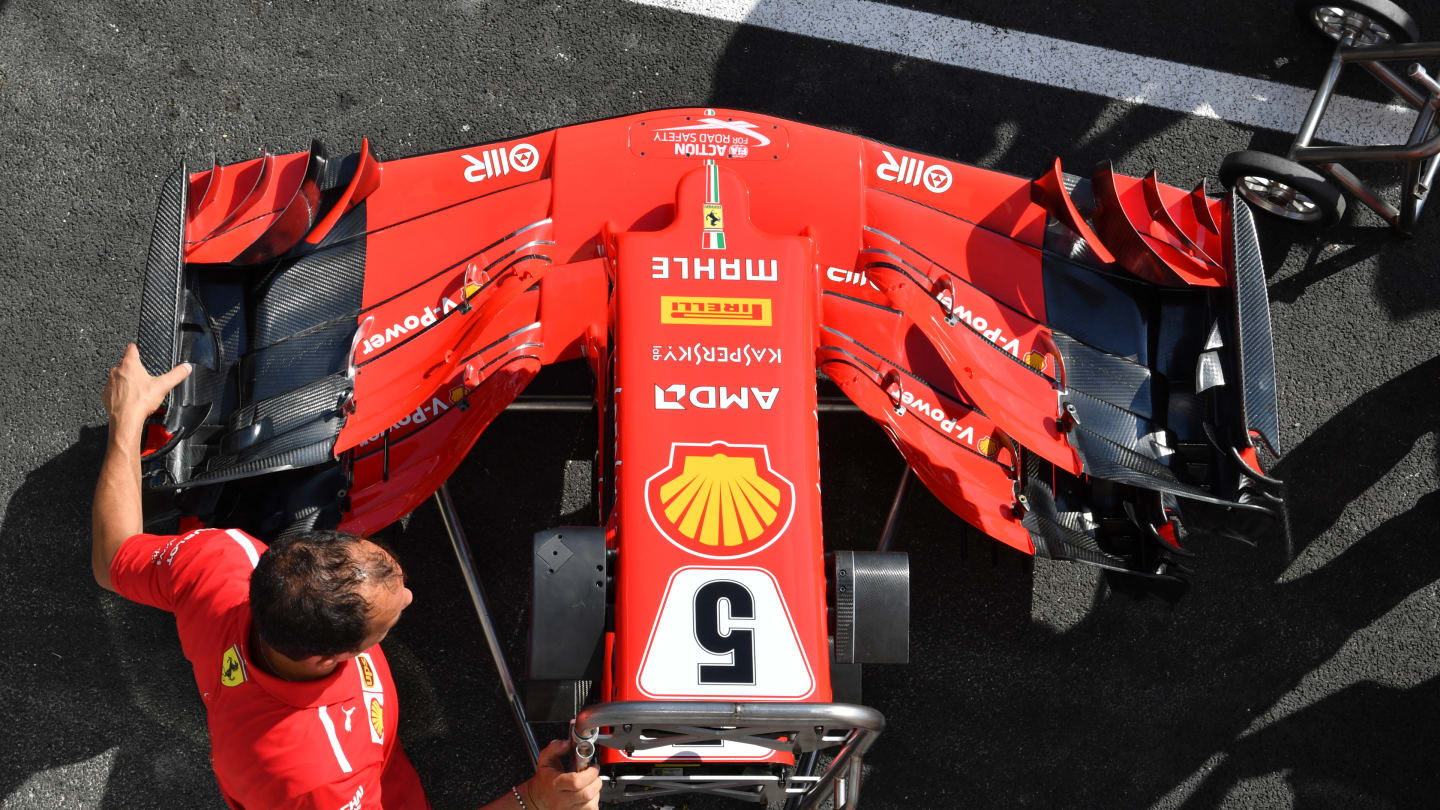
point(376, 709)
point(720, 500)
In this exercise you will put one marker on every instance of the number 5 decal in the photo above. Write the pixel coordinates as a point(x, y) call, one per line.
point(724, 632)
point(737, 643)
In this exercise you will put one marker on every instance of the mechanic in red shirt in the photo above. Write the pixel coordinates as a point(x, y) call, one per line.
point(284, 642)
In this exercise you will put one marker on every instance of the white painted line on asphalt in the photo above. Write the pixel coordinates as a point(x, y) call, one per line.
point(71, 784)
point(1059, 63)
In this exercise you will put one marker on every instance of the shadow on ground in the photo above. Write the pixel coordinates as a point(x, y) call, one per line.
point(92, 675)
point(1084, 697)
point(1405, 287)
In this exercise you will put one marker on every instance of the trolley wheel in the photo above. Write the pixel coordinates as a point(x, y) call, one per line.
point(1283, 188)
point(1373, 22)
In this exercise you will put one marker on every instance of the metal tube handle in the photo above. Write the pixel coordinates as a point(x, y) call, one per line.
point(583, 747)
point(1417, 72)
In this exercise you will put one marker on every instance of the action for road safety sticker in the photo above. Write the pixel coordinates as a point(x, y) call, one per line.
point(720, 500)
point(724, 633)
point(710, 311)
point(232, 667)
point(708, 136)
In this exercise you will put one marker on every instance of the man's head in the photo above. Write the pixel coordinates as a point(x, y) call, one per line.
point(324, 596)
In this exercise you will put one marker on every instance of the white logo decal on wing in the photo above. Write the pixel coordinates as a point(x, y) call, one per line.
point(724, 632)
point(911, 171)
point(499, 161)
point(708, 397)
point(842, 276)
point(743, 127)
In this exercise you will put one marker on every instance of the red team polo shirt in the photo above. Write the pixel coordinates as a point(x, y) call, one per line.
point(311, 745)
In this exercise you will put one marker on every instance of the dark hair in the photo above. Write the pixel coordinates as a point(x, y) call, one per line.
point(304, 594)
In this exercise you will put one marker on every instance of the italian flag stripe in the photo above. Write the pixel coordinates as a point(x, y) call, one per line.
point(712, 182)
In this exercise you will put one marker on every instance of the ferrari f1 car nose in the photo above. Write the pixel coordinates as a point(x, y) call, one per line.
point(1079, 366)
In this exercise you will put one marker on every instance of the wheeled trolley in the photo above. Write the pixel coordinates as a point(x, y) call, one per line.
point(1309, 184)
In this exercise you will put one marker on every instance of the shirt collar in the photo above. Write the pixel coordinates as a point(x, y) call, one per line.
point(325, 691)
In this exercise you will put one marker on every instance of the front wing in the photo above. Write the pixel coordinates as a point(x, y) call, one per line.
point(1070, 364)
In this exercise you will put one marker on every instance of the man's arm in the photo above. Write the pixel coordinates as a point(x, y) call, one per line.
point(554, 787)
point(131, 395)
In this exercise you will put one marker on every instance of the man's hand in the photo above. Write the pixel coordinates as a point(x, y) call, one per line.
point(131, 394)
point(554, 786)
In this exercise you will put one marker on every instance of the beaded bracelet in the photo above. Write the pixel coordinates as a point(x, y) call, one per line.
point(516, 790)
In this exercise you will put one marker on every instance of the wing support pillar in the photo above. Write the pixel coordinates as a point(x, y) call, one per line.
point(482, 611)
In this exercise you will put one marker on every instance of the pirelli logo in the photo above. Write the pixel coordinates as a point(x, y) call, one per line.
point(715, 311)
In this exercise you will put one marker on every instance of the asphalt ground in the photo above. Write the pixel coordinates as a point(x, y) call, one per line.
point(1299, 673)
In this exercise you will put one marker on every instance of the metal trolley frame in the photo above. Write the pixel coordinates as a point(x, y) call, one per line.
point(845, 731)
point(1370, 41)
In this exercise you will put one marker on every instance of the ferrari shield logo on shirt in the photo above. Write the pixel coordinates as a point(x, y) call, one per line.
point(375, 708)
point(719, 500)
point(707, 311)
point(232, 667)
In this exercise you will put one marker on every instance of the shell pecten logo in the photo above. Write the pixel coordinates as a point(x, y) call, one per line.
point(377, 718)
point(720, 500)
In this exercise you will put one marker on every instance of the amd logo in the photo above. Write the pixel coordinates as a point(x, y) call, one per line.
point(680, 397)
